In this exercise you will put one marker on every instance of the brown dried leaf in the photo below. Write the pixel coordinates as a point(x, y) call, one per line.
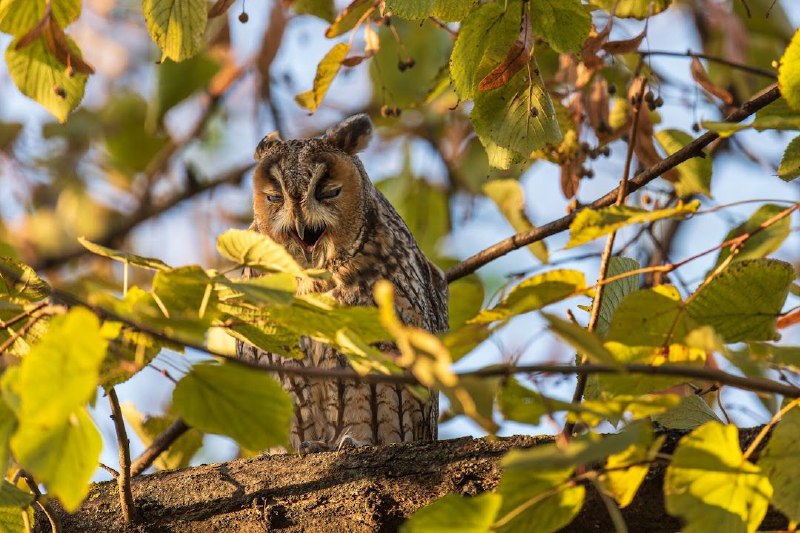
point(371, 46)
point(219, 8)
point(57, 43)
point(597, 107)
point(701, 77)
point(349, 17)
point(518, 56)
point(270, 44)
point(592, 46)
point(645, 148)
point(570, 178)
point(34, 33)
point(625, 46)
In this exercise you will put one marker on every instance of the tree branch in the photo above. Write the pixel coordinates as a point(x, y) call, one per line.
point(158, 446)
point(124, 476)
point(715, 59)
point(693, 149)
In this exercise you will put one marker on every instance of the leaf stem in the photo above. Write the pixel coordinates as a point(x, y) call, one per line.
point(774, 420)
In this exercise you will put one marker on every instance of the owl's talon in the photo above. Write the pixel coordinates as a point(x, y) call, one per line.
point(312, 446)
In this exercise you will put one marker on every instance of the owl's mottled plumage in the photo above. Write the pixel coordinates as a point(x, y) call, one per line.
point(314, 197)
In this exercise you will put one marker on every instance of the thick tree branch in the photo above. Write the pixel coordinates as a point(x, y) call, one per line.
point(363, 490)
point(693, 149)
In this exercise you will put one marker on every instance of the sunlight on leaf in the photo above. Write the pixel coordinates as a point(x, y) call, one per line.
point(177, 26)
point(789, 168)
point(124, 257)
point(638, 9)
point(625, 471)
point(249, 248)
point(326, 72)
point(789, 73)
point(695, 173)
point(565, 24)
point(763, 243)
point(455, 514)
point(447, 10)
point(509, 197)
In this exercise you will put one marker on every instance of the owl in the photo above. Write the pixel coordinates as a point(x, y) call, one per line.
point(314, 197)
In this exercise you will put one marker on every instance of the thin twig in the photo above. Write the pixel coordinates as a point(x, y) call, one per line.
point(774, 420)
point(613, 509)
point(158, 446)
point(715, 59)
point(693, 149)
point(124, 477)
point(110, 470)
point(605, 259)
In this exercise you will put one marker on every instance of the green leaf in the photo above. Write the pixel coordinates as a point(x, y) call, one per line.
point(585, 342)
point(534, 293)
point(12, 504)
point(64, 457)
point(711, 486)
point(177, 26)
point(326, 72)
point(638, 9)
point(179, 81)
point(245, 404)
point(582, 450)
point(186, 298)
point(764, 242)
point(131, 145)
point(124, 257)
point(565, 24)
point(519, 116)
point(522, 404)
point(744, 301)
point(789, 168)
point(612, 408)
point(695, 173)
point(19, 282)
point(789, 73)
point(39, 75)
point(454, 514)
point(465, 299)
point(674, 354)
point(780, 461)
point(70, 367)
point(616, 291)
point(349, 17)
point(507, 194)
point(147, 428)
point(22, 343)
point(693, 411)
point(324, 9)
point(590, 224)
point(250, 248)
point(626, 470)
point(537, 501)
point(129, 351)
point(483, 42)
point(447, 10)
point(19, 16)
point(650, 317)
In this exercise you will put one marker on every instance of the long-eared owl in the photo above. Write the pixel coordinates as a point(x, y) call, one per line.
point(314, 197)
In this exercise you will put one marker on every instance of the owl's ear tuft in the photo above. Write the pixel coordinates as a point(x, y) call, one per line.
point(266, 144)
point(350, 135)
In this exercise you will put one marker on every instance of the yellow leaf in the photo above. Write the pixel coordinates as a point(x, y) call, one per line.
point(326, 72)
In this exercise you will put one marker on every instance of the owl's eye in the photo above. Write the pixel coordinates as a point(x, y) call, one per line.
point(330, 193)
point(275, 198)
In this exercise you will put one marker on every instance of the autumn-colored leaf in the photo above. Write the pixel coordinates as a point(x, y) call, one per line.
point(700, 75)
point(518, 56)
point(625, 46)
point(220, 7)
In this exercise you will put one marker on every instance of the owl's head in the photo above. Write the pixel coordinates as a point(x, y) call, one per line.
point(309, 194)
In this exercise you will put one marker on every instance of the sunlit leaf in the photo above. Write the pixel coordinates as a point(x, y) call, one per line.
point(789, 73)
point(447, 10)
point(537, 500)
point(616, 291)
point(19, 16)
point(465, 300)
point(245, 404)
point(626, 470)
point(711, 486)
point(638, 9)
point(72, 368)
point(455, 514)
point(22, 343)
point(743, 302)
point(534, 293)
point(763, 243)
point(695, 173)
point(587, 343)
point(326, 72)
point(39, 75)
point(522, 404)
point(509, 197)
point(612, 408)
point(124, 257)
point(349, 17)
point(590, 224)
point(63, 457)
point(12, 503)
point(649, 317)
point(789, 168)
point(249, 248)
point(565, 24)
point(187, 300)
point(147, 428)
point(635, 383)
point(177, 26)
point(780, 461)
point(19, 283)
point(129, 351)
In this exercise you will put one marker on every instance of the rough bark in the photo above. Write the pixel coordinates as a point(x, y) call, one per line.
point(367, 489)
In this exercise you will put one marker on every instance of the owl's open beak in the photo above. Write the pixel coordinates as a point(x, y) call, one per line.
point(308, 237)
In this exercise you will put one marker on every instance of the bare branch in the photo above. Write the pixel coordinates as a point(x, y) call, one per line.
point(158, 446)
point(124, 477)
